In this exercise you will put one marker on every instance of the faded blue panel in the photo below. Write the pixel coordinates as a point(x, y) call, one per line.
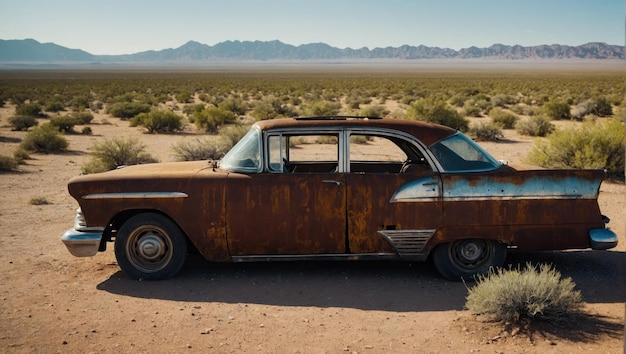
point(535, 187)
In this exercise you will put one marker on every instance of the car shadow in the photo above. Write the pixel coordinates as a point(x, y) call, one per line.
point(388, 286)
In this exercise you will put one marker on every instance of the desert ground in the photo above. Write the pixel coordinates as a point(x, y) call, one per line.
point(54, 302)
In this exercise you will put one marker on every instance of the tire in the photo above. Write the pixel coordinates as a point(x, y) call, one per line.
point(150, 246)
point(464, 259)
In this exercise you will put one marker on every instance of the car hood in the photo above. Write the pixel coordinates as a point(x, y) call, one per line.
point(155, 177)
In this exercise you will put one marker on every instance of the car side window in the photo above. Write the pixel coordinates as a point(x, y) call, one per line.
point(384, 154)
point(303, 153)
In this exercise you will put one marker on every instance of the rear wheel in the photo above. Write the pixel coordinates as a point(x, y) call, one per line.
point(150, 246)
point(464, 259)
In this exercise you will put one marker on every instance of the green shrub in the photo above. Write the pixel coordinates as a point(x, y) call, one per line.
point(158, 121)
point(594, 145)
point(504, 118)
point(21, 123)
point(44, 139)
point(7, 163)
point(321, 109)
point(210, 119)
point(127, 110)
point(524, 110)
point(86, 131)
point(486, 131)
point(28, 109)
point(20, 155)
point(471, 109)
point(535, 126)
point(82, 118)
point(373, 111)
point(600, 107)
point(198, 150)
point(63, 123)
point(437, 112)
point(54, 106)
point(111, 154)
point(556, 110)
point(232, 134)
point(235, 105)
point(534, 293)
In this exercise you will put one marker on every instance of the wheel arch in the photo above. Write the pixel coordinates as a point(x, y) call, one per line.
point(120, 218)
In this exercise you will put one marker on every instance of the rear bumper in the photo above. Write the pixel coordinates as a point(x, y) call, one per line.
point(602, 239)
point(81, 243)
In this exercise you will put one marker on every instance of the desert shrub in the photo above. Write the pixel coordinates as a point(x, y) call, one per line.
point(486, 131)
point(230, 135)
point(360, 139)
point(82, 117)
point(198, 150)
point(533, 293)
point(184, 97)
point(44, 139)
point(86, 131)
point(535, 126)
point(593, 145)
point(20, 123)
point(111, 154)
point(556, 110)
point(7, 163)
point(210, 119)
point(471, 109)
point(28, 109)
point(504, 118)
point(502, 100)
point(189, 109)
point(326, 139)
point(127, 110)
point(321, 108)
point(54, 106)
point(38, 201)
point(20, 155)
point(600, 107)
point(373, 111)
point(235, 105)
point(64, 124)
point(437, 112)
point(524, 109)
point(158, 121)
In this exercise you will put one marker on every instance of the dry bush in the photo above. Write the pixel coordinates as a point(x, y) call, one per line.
point(7, 163)
point(111, 154)
point(44, 139)
point(534, 293)
point(198, 150)
point(486, 131)
point(535, 126)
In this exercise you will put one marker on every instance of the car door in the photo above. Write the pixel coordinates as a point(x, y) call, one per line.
point(296, 206)
point(393, 195)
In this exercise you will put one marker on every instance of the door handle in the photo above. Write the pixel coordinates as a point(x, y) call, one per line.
point(331, 181)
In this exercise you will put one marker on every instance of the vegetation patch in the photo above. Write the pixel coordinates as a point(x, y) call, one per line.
point(529, 294)
point(111, 154)
point(45, 139)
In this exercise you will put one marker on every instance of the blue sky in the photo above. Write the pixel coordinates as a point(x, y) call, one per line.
point(130, 26)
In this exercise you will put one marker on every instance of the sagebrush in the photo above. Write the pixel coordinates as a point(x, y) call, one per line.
point(532, 293)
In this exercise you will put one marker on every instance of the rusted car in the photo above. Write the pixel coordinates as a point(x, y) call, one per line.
point(337, 188)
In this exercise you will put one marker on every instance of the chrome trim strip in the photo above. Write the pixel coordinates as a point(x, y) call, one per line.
point(136, 195)
point(316, 257)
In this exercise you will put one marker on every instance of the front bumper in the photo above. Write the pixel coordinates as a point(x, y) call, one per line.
point(602, 239)
point(82, 243)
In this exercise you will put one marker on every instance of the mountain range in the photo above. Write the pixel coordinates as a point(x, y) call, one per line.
point(32, 51)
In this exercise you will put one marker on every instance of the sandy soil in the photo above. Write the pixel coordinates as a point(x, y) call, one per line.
point(54, 302)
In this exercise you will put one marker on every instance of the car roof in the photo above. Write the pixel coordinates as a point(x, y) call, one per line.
point(427, 133)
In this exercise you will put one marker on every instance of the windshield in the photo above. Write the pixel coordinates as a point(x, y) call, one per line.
point(460, 153)
point(245, 155)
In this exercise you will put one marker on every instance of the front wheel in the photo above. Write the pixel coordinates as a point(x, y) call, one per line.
point(150, 246)
point(464, 259)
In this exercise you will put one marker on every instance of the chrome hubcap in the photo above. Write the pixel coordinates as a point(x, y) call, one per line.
point(150, 247)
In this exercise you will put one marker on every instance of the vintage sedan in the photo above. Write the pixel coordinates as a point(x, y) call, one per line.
point(337, 188)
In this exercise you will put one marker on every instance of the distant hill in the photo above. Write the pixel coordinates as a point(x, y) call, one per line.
point(31, 51)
